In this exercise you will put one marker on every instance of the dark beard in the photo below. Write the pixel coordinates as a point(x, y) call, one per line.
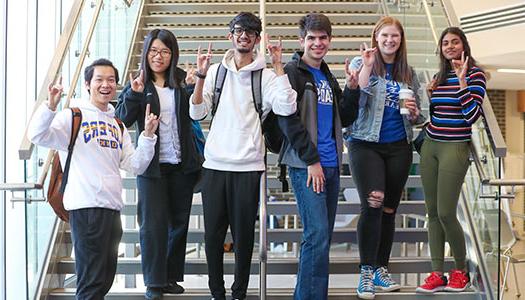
point(244, 50)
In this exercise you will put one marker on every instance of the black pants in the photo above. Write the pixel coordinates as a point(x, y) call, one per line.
point(384, 168)
point(163, 211)
point(96, 233)
point(229, 198)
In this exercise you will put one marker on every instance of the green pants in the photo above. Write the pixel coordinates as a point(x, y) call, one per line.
point(443, 168)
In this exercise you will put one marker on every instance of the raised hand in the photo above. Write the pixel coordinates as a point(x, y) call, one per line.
point(275, 51)
point(151, 122)
point(367, 54)
point(460, 67)
point(203, 60)
point(54, 92)
point(352, 75)
point(137, 84)
point(190, 73)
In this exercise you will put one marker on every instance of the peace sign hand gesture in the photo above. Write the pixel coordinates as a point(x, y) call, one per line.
point(275, 51)
point(367, 54)
point(203, 61)
point(54, 92)
point(137, 84)
point(460, 67)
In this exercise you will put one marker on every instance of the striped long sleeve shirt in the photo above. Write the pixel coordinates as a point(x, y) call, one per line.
point(454, 110)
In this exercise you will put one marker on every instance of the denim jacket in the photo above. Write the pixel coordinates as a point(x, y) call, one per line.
point(367, 126)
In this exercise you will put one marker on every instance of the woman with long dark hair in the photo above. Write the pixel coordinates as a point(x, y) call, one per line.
point(380, 148)
point(165, 190)
point(457, 92)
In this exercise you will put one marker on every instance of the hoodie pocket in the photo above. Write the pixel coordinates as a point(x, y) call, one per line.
point(231, 146)
point(110, 188)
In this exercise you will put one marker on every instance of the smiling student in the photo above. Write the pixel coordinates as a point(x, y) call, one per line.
point(313, 149)
point(380, 148)
point(93, 194)
point(165, 190)
point(234, 151)
point(457, 93)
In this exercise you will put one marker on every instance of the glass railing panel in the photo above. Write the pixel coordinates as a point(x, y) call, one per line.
point(112, 36)
point(480, 200)
point(111, 39)
point(40, 218)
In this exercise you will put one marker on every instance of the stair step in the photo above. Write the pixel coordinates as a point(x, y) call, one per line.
point(338, 265)
point(281, 235)
point(406, 293)
point(271, 7)
point(346, 181)
point(290, 208)
point(194, 20)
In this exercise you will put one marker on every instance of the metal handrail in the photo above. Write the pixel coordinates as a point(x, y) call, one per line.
point(84, 52)
point(263, 250)
point(26, 147)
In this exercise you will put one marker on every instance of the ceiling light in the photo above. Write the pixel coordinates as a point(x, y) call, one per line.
point(519, 71)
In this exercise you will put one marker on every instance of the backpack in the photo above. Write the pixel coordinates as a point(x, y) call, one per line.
point(272, 133)
point(198, 137)
point(58, 178)
point(273, 136)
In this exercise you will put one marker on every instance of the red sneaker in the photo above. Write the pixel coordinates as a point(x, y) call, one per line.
point(435, 282)
point(458, 282)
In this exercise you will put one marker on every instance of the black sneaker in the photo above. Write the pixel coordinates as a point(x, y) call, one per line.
point(153, 293)
point(173, 288)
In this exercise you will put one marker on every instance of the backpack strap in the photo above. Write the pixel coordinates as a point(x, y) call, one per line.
point(75, 128)
point(219, 84)
point(257, 91)
point(120, 125)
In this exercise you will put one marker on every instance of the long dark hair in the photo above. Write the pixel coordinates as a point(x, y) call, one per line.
point(444, 64)
point(401, 72)
point(169, 39)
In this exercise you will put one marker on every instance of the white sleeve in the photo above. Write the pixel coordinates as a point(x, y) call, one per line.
point(199, 111)
point(277, 94)
point(137, 160)
point(50, 129)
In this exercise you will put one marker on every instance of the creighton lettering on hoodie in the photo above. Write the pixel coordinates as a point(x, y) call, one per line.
point(235, 141)
point(100, 151)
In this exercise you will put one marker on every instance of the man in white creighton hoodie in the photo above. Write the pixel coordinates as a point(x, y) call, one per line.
point(93, 191)
point(234, 151)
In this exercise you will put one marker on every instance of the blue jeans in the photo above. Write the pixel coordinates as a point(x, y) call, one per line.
point(317, 213)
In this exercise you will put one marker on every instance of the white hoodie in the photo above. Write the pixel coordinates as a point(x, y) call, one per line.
point(235, 141)
point(100, 150)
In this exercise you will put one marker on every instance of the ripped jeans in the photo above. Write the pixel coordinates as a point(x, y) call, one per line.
point(380, 172)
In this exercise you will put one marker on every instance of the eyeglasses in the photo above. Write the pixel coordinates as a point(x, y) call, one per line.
point(163, 53)
point(238, 31)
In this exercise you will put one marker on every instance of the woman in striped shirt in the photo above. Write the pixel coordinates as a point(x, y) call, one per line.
point(457, 92)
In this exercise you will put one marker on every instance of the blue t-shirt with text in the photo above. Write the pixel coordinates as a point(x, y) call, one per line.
point(392, 128)
point(326, 145)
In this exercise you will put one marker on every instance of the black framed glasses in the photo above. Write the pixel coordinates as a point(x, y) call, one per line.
point(163, 52)
point(238, 31)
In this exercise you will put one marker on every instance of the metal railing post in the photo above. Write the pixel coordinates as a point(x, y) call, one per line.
point(262, 237)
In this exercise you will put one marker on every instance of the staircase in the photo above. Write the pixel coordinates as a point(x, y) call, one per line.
point(198, 22)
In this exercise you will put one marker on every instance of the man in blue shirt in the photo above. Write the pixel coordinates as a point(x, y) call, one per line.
point(313, 148)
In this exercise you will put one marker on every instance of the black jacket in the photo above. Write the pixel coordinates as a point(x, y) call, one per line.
point(131, 108)
point(300, 129)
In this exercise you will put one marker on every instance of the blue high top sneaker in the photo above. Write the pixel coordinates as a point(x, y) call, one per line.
point(384, 281)
point(366, 289)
